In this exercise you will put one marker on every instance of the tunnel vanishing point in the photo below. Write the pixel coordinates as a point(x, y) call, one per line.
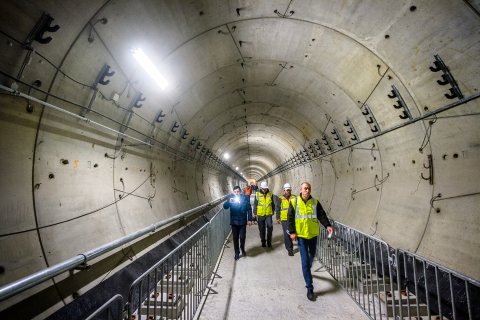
point(374, 102)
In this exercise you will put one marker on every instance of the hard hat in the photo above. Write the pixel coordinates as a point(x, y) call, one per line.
point(264, 185)
point(287, 186)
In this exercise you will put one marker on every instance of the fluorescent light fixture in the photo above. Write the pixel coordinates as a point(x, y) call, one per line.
point(149, 67)
point(226, 156)
point(236, 168)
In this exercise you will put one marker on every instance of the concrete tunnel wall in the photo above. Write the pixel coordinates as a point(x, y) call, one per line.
point(260, 86)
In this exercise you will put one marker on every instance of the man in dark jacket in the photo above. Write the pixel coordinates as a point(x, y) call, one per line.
point(304, 214)
point(240, 215)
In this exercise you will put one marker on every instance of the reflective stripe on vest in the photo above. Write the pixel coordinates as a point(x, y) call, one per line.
point(284, 204)
point(306, 221)
point(264, 205)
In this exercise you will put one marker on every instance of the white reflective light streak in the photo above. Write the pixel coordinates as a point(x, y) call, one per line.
point(150, 68)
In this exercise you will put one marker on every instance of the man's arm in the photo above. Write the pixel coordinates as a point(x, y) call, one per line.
point(226, 204)
point(276, 206)
point(248, 208)
point(291, 220)
point(322, 215)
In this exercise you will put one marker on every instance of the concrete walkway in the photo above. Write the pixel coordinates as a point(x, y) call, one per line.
point(268, 284)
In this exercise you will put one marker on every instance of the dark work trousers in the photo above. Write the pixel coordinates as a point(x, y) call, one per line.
point(286, 237)
point(265, 222)
point(239, 233)
point(307, 248)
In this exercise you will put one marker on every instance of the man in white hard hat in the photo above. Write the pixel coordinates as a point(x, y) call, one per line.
point(263, 209)
point(282, 213)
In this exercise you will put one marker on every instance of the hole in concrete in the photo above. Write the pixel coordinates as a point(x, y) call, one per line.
point(413, 161)
point(394, 164)
point(455, 155)
point(387, 36)
point(51, 176)
point(201, 13)
point(95, 165)
point(413, 8)
point(64, 161)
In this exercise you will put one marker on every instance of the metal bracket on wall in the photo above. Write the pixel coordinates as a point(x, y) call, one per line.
point(104, 73)
point(401, 103)
point(337, 137)
point(372, 122)
point(447, 78)
point(43, 25)
point(351, 130)
point(430, 169)
point(326, 142)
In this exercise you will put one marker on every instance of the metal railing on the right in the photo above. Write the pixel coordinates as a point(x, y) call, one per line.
point(390, 283)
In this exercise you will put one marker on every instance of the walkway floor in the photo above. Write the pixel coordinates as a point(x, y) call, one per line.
point(268, 284)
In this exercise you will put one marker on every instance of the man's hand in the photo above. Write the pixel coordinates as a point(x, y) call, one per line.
point(249, 223)
point(330, 230)
point(254, 216)
point(278, 221)
point(293, 236)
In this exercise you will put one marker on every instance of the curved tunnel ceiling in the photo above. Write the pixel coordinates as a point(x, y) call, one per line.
point(254, 75)
point(274, 80)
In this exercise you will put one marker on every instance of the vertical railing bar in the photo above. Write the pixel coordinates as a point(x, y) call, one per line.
point(399, 291)
point(452, 296)
point(439, 297)
point(469, 307)
point(390, 276)
point(370, 274)
point(407, 290)
point(416, 284)
point(427, 298)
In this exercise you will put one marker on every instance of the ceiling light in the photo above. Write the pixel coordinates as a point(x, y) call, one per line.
point(226, 156)
point(150, 68)
point(236, 168)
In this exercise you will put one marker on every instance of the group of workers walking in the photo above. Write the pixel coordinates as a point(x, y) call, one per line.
point(299, 215)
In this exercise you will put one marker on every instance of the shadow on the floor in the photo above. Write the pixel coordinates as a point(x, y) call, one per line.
point(334, 287)
point(258, 249)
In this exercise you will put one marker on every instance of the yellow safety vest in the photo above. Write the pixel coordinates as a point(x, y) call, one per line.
point(264, 204)
point(306, 221)
point(284, 204)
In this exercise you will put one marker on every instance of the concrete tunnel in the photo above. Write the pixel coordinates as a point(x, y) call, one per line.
point(373, 102)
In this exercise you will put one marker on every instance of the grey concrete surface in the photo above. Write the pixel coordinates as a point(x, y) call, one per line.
point(261, 80)
point(268, 284)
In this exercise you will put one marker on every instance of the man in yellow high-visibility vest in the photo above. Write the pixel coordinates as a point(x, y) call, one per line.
point(303, 215)
point(263, 209)
point(282, 213)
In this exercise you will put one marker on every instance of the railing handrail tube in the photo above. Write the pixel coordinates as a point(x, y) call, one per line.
point(364, 234)
point(50, 272)
point(445, 269)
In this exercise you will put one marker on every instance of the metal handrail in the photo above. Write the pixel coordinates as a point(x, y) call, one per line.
point(82, 258)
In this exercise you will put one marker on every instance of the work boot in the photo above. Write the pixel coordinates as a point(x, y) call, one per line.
point(263, 244)
point(310, 294)
point(244, 253)
point(237, 256)
point(269, 244)
point(290, 253)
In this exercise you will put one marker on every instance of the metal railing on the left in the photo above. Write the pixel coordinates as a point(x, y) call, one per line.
point(81, 259)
